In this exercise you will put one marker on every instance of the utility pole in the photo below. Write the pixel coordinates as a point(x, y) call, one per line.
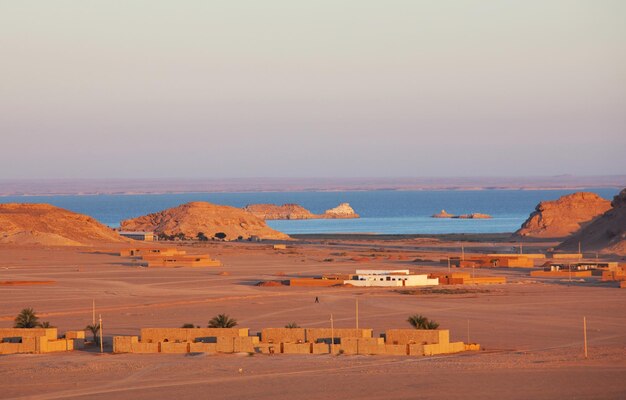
point(101, 338)
point(585, 334)
point(448, 265)
point(579, 248)
point(332, 335)
point(521, 247)
point(570, 272)
point(357, 313)
point(462, 252)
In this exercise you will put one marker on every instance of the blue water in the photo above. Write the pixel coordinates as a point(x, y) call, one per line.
point(383, 212)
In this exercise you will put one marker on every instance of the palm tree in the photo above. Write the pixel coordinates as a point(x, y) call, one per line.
point(431, 325)
point(418, 321)
point(222, 321)
point(26, 319)
point(95, 332)
point(188, 326)
point(292, 325)
point(46, 324)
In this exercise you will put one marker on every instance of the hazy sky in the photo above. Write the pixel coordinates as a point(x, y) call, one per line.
point(317, 88)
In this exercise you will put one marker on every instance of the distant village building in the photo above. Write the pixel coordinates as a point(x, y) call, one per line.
point(386, 278)
point(145, 236)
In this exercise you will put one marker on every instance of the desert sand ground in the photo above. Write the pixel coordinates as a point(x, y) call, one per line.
point(530, 328)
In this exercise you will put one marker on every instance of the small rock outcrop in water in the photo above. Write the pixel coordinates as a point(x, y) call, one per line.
point(474, 216)
point(191, 218)
point(343, 210)
point(295, 211)
point(444, 214)
point(564, 216)
point(46, 225)
point(606, 233)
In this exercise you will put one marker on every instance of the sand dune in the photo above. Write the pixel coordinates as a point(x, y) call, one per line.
point(43, 224)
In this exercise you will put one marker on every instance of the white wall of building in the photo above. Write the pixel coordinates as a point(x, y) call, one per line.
point(382, 280)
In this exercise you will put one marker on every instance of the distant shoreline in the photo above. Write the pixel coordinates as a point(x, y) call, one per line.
point(129, 187)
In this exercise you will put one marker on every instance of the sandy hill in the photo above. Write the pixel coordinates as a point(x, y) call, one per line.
point(295, 211)
point(564, 216)
point(606, 233)
point(47, 225)
point(192, 218)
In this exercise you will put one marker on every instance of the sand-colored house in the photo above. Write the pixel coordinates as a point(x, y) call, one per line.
point(405, 342)
point(38, 340)
point(151, 251)
point(465, 278)
point(181, 261)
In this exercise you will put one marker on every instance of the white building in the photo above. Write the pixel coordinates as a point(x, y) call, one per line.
point(390, 278)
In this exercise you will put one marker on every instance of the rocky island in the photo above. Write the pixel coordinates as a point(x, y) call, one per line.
point(445, 214)
point(295, 211)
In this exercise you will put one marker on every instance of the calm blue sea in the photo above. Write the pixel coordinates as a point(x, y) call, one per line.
point(383, 212)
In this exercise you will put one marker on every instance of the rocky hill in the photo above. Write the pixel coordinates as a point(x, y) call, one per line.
point(606, 234)
point(191, 218)
point(295, 211)
point(43, 224)
point(564, 216)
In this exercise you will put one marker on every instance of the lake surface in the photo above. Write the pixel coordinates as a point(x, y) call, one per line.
point(383, 212)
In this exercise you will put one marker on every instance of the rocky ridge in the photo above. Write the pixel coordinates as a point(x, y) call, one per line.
point(564, 216)
point(295, 211)
point(273, 211)
point(605, 234)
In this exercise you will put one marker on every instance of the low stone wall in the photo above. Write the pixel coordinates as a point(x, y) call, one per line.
point(417, 336)
point(315, 282)
point(315, 334)
point(283, 335)
point(154, 335)
point(297, 348)
point(173, 347)
point(560, 274)
point(443, 348)
point(50, 333)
